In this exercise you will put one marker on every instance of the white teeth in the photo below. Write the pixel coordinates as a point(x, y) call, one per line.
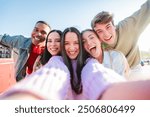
point(53, 49)
point(36, 38)
point(91, 47)
point(72, 53)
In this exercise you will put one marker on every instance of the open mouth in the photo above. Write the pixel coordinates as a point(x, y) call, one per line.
point(108, 39)
point(72, 52)
point(37, 39)
point(92, 49)
point(53, 49)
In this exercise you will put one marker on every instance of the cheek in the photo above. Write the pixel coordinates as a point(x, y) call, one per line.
point(32, 34)
point(59, 48)
point(66, 48)
point(48, 45)
point(85, 47)
point(77, 47)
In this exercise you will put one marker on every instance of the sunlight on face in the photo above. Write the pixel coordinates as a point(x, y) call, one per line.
point(53, 43)
point(71, 45)
point(92, 44)
point(106, 32)
point(39, 34)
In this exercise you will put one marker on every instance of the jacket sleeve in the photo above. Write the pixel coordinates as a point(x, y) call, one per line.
point(139, 20)
point(52, 81)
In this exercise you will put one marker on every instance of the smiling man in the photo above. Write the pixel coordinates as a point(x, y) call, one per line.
point(27, 49)
point(125, 35)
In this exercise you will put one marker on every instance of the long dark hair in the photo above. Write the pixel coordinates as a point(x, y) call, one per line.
point(47, 55)
point(77, 87)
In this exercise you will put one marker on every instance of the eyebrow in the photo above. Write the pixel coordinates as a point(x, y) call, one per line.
point(90, 35)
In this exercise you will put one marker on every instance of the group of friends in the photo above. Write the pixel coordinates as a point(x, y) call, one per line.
point(92, 64)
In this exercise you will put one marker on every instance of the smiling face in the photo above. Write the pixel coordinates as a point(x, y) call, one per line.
point(39, 34)
point(53, 43)
point(71, 45)
point(92, 44)
point(106, 32)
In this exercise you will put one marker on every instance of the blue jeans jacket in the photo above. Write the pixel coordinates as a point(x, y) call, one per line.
point(21, 45)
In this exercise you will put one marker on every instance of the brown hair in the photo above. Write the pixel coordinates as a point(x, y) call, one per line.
point(102, 18)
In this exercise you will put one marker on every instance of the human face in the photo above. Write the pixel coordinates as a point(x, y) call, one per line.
point(92, 44)
point(106, 32)
point(71, 45)
point(53, 43)
point(39, 34)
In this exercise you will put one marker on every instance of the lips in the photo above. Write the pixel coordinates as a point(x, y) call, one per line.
point(54, 49)
point(108, 39)
point(72, 52)
point(91, 48)
point(36, 38)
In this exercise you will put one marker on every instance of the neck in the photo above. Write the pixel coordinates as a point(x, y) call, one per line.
point(100, 59)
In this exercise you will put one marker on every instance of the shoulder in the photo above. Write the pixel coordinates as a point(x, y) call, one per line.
point(56, 58)
point(115, 53)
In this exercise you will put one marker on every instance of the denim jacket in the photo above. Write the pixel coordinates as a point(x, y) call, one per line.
point(21, 45)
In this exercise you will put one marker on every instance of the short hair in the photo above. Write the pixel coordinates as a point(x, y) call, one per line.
point(43, 22)
point(77, 87)
point(102, 18)
point(47, 55)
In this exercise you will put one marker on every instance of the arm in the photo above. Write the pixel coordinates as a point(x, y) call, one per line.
point(96, 79)
point(126, 67)
point(21, 96)
point(135, 90)
point(138, 21)
point(52, 81)
point(119, 63)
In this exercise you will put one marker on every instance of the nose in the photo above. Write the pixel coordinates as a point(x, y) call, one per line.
point(53, 43)
point(71, 47)
point(38, 34)
point(106, 34)
point(88, 43)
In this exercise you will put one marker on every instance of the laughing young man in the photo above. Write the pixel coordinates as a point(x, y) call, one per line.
point(125, 35)
point(27, 49)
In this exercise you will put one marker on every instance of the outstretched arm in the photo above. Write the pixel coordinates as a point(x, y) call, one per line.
point(132, 90)
point(51, 81)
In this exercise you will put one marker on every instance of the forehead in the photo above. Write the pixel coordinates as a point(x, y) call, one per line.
point(102, 25)
point(42, 26)
point(87, 34)
point(71, 36)
point(53, 34)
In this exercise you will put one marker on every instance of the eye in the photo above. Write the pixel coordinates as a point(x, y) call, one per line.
point(91, 37)
point(49, 40)
point(109, 26)
point(57, 40)
point(43, 32)
point(66, 43)
point(99, 31)
point(83, 41)
point(76, 42)
point(36, 29)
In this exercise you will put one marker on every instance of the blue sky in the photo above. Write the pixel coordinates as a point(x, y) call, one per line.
point(18, 17)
